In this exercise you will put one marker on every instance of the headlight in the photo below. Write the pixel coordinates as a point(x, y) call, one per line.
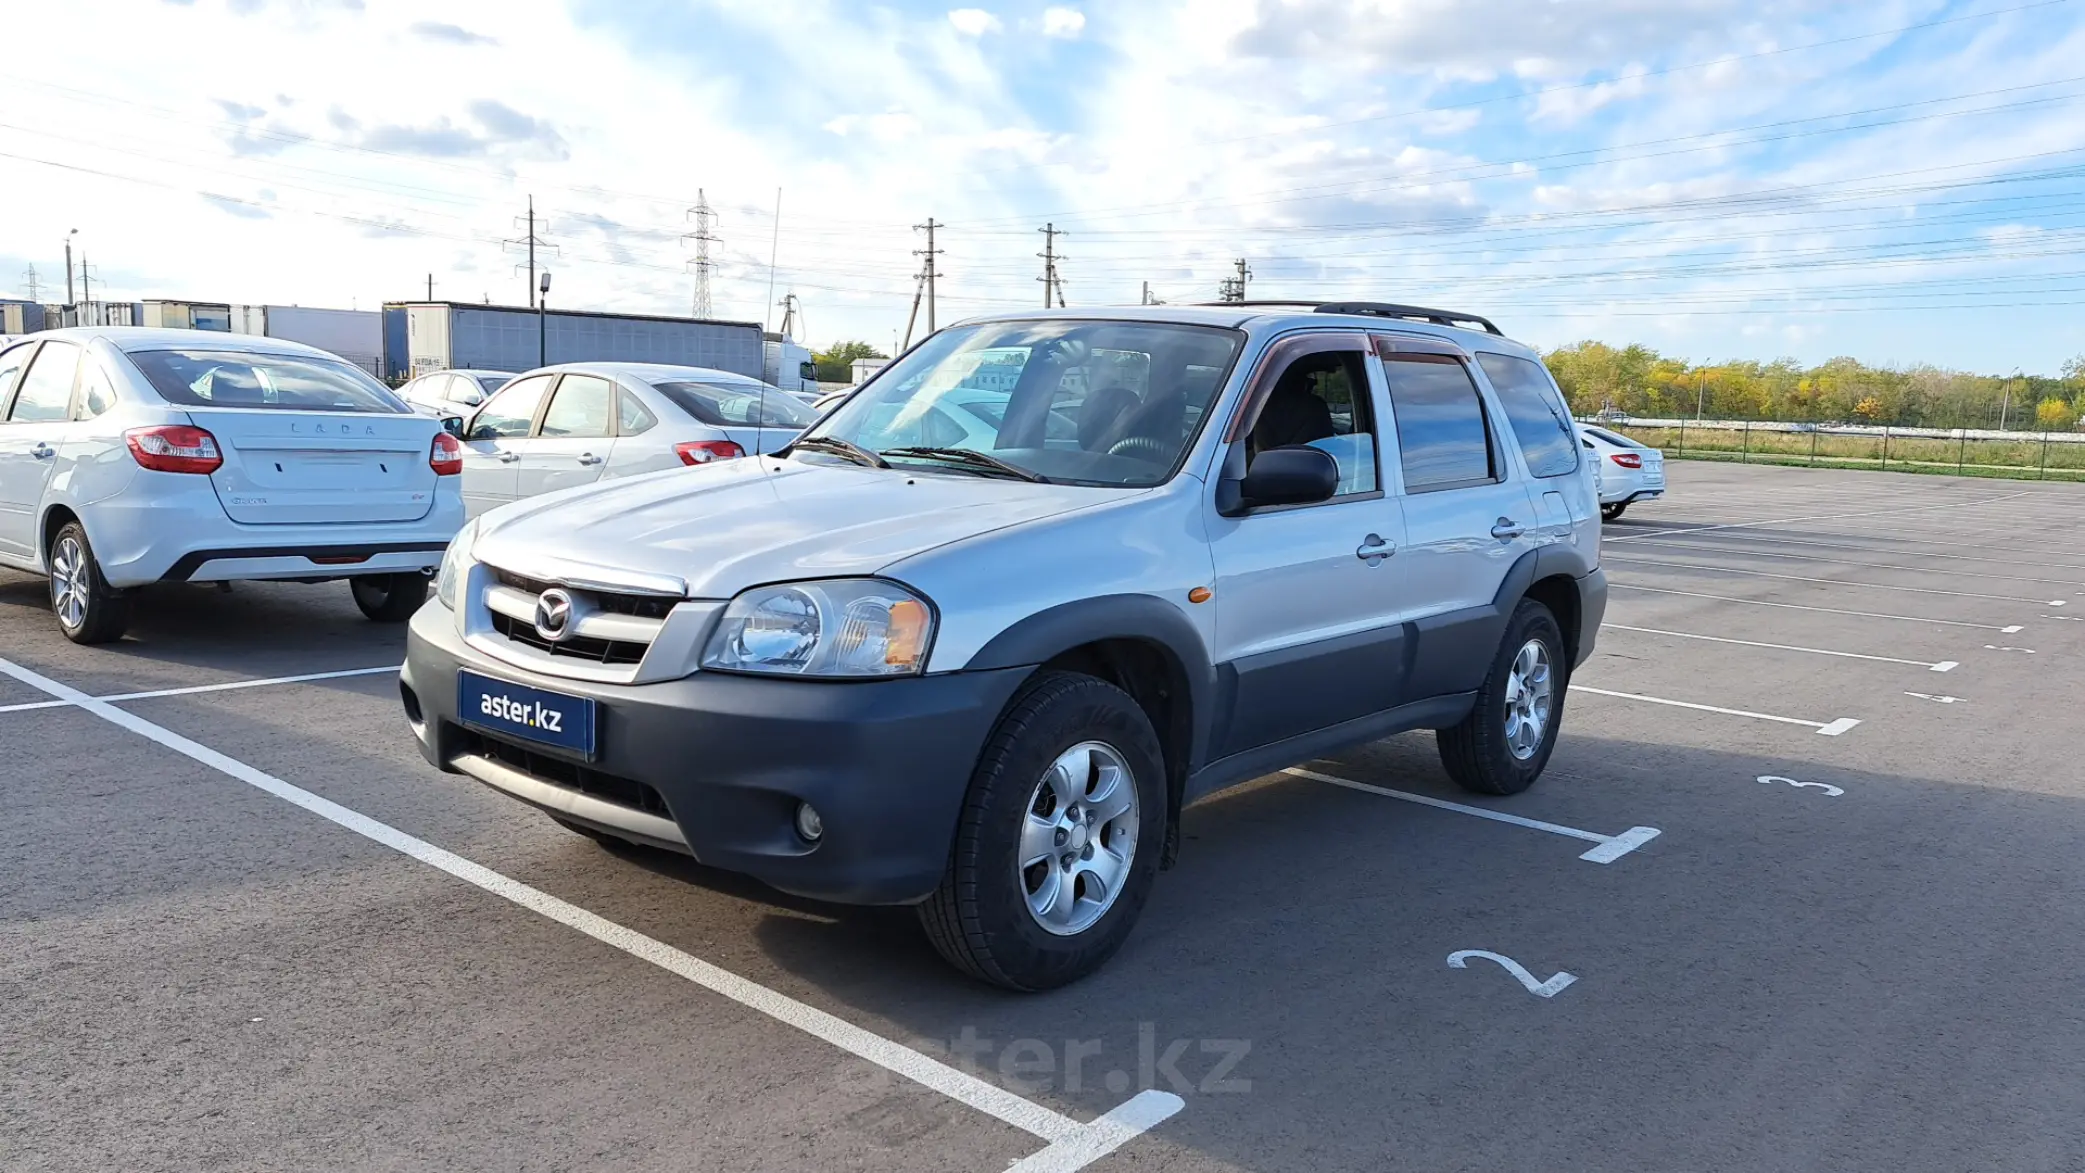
point(456, 564)
point(858, 627)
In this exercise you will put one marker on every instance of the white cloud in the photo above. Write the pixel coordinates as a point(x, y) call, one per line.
point(973, 22)
point(1063, 22)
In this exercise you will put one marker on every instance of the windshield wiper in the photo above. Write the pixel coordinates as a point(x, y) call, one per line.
point(838, 447)
point(981, 461)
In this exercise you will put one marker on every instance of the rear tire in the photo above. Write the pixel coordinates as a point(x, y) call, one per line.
point(389, 598)
point(1610, 512)
point(88, 609)
point(1502, 746)
point(1072, 772)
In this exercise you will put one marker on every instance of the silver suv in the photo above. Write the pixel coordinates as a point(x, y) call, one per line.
point(973, 640)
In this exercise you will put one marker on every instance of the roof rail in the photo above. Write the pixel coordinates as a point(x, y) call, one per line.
point(1383, 309)
point(1378, 309)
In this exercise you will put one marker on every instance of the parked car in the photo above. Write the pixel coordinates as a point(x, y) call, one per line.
point(565, 426)
point(130, 456)
point(1629, 471)
point(831, 399)
point(453, 393)
point(982, 675)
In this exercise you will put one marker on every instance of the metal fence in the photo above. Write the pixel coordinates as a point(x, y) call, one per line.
point(2045, 455)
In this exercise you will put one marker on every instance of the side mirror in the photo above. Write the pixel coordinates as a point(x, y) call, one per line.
point(473, 398)
point(453, 424)
point(1289, 476)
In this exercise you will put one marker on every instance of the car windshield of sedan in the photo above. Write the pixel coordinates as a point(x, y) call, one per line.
point(283, 382)
point(1079, 402)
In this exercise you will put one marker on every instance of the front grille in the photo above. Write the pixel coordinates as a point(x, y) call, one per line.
point(642, 606)
point(623, 792)
point(599, 651)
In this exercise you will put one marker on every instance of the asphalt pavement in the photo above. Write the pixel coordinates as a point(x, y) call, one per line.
point(1796, 893)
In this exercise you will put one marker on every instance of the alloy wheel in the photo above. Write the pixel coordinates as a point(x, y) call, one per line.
point(1530, 696)
point(69, 581)
point(1078, 838)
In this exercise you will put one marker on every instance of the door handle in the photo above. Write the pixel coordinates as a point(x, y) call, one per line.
point(589, 458)
point(43, 451)
point(1374, 549)
point(1507, 529)
point(509, 457)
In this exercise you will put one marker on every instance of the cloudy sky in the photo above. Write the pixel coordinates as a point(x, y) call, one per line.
point(1899, 180)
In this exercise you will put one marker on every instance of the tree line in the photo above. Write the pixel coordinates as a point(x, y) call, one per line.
point(1639, 381)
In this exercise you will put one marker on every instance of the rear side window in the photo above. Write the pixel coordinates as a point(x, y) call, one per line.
point(96, 394)
point(1441, 435)
point(512, 411)
point(631, 417)
point(738, 405)
point(279, 382)
point(11, 364)
point(580, 409)
point(46, 394)
point(1539, 421)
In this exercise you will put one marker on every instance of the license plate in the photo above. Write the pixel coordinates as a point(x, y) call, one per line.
point(532, 714)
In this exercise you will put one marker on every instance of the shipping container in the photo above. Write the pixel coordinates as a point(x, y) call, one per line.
point(355, 335)
point(431, 336)
point(20, 317)
point(189, 315)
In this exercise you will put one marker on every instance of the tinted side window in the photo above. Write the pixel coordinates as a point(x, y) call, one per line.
point(1440, 423)
point(46, 394)
point(511, 411)
point(1540, 423)
point(580, 409)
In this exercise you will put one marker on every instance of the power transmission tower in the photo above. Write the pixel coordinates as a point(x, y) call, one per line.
point(1233, 288)
point(86, 281)
point(533, 242)
point(32, 284)
point(704, 216)
point(1052, 281)
point(928, 269)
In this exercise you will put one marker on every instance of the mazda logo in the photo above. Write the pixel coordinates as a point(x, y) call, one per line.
point(553, 614)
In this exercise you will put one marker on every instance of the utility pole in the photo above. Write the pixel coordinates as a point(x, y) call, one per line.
point(1233, 288)
point(2006, 404)
point(792, 314)
point(86, 281)
point(430, 287)
point(1052, 280)
point(68, 265)
point(704, 217)
point(35, 286)
point(928, 270)
point(1701, 393)
point(919, 288)
point(533, 242)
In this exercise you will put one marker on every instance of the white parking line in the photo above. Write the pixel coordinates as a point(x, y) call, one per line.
point(1077, 1144)
point(1838, 582)
point(1843, 547)
point(1609, 847)
point(1942, 666)
point(1832, 728)
point(1630, 586)
point(1723, 549)
point(196, 688)
point(1702, 529)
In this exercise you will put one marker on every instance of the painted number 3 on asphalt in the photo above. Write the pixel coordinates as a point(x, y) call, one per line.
point(1829, 790)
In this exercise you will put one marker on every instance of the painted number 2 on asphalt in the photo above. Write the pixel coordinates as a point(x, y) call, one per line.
point(1549, 989)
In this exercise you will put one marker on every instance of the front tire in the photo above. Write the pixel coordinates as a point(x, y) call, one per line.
point(1610, 512)
point(1502, 746)
point(1058, 842)
point(389, 598)
point(89, 610)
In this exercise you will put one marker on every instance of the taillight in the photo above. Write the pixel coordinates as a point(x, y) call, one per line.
point(1626, 459)
point(446, 457)
point(176, 448)
point(704, 451)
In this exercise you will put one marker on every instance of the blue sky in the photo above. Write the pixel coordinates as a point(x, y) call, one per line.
point(1898, 180)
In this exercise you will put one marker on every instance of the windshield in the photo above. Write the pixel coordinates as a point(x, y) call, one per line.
point(283, 382)
point(738, 405)
point(492, 383)
point(1083, 402)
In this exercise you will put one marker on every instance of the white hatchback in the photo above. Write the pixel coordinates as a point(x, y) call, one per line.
point(130, 456)
point(573, 424)
point(1627, 472)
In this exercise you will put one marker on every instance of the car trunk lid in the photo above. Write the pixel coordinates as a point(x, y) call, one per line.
point(319, 468)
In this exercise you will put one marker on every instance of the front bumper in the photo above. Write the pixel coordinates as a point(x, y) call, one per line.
point(715, 764)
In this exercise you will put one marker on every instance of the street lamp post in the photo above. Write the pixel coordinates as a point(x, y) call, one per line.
point(542, 306)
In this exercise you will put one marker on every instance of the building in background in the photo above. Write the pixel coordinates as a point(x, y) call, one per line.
point(424, 336)
point(188, 315)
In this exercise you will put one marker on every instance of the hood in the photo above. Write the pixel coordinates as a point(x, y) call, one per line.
point(723, 527)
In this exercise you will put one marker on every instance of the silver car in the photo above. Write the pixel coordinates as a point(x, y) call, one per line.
point(980, 670)
point(452, 393)
point(566, 426)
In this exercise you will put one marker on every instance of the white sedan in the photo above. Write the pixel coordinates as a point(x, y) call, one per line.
point(577, 423)
point(1626, 471)
point(453, 393)
point(130, 456)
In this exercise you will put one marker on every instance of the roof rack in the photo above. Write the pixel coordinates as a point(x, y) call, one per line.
point(1379, 309)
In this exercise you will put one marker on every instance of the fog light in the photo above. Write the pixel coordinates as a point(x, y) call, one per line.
point(808, 824)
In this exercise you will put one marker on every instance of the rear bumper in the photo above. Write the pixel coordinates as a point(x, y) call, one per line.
point(715, 764)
